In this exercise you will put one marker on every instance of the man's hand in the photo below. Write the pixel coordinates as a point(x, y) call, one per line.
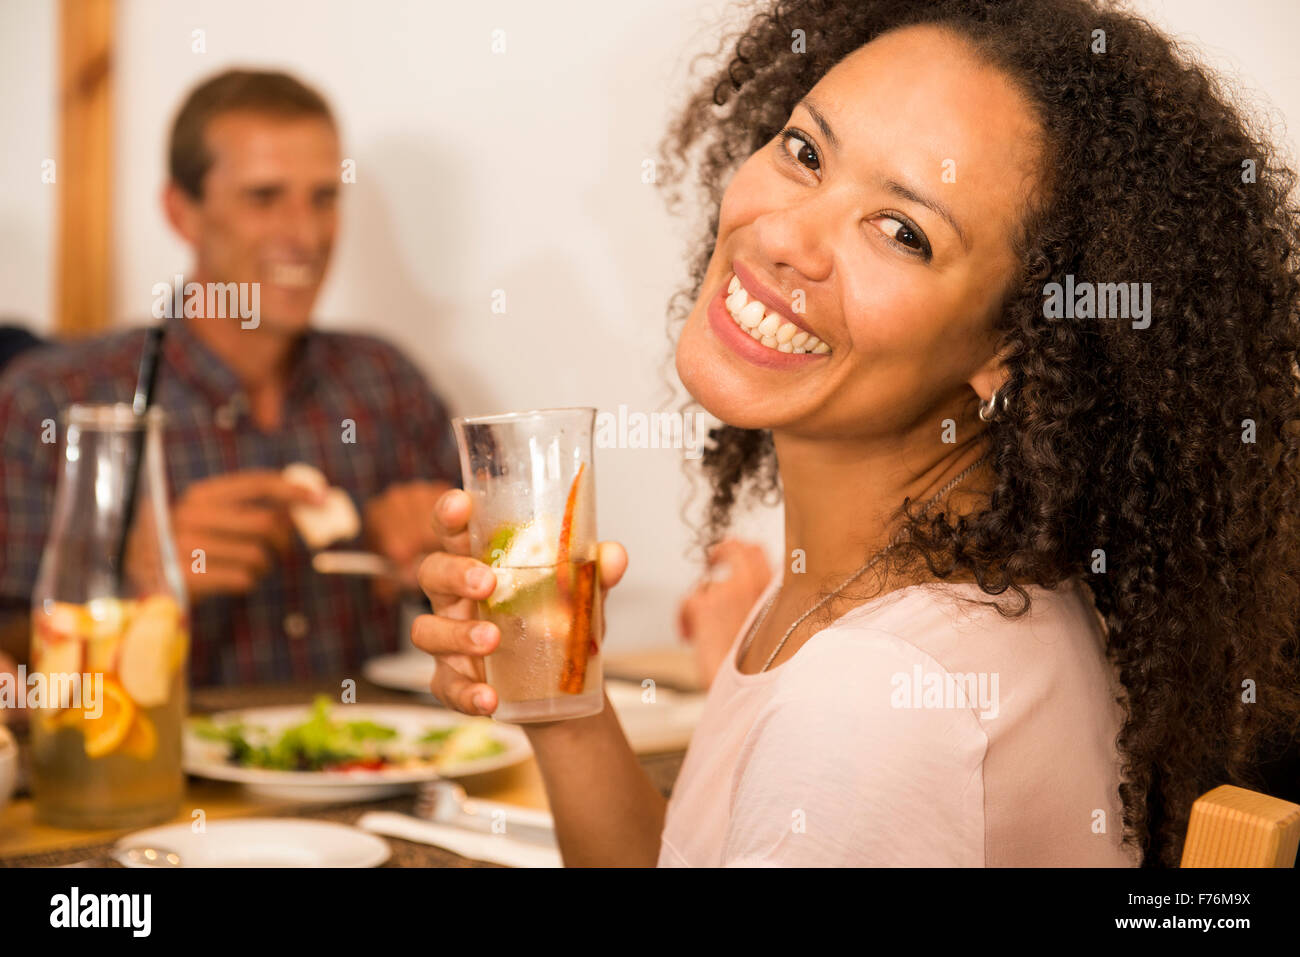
point(711, 615)
point(399, 525)
point(240, 521)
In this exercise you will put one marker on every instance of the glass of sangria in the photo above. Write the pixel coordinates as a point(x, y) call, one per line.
point(533, 519)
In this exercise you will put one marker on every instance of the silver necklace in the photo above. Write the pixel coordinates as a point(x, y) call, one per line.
point(893, 543)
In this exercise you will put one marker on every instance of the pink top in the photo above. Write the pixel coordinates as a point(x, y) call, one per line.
point(915, 731)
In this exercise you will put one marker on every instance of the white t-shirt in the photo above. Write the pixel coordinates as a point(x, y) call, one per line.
point(915, 731)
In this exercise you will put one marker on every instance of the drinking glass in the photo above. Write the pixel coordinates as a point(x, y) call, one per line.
point(533, 519)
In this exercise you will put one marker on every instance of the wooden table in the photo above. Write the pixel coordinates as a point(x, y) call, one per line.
point(25, 843)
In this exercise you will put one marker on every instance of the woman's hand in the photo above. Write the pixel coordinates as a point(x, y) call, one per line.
point(454, 582)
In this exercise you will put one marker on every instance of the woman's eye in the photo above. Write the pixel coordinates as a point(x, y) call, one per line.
point(801, 150)
point(904, 235)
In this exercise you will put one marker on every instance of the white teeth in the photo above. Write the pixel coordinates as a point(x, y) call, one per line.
point(751, 317)
point(291, 274)
point(769, 328)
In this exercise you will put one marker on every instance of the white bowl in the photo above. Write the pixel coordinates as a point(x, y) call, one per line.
point(8, 765)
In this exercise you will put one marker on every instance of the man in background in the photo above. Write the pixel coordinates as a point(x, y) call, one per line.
point(253, 188)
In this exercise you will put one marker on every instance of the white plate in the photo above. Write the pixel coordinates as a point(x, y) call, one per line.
point(662, 724)
point(207, 759)
point(262, 842)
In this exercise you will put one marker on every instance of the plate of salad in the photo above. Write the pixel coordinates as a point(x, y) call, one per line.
point(346, 752)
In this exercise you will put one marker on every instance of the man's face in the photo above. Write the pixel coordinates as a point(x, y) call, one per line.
point(268, 211)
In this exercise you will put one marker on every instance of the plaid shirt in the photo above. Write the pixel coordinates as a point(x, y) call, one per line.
point(294, 624)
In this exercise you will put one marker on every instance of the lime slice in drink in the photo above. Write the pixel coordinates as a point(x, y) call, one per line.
point(522, 556)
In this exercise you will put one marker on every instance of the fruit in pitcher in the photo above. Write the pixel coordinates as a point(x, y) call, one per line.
point(58, 646)
point(145, 662)
point(180, 648)
point(105, 733)
point(142, 740)
point(106, 617)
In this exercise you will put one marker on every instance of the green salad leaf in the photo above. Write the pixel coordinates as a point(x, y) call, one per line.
point(322, 742)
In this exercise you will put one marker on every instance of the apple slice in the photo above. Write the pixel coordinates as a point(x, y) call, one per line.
point(60, 655)
point(145, 663)
point(60, 639)
point(108, 619)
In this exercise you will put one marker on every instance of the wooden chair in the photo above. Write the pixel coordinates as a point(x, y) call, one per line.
point(1234, 827)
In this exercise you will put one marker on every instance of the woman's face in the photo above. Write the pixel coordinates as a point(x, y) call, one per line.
point(880, 224)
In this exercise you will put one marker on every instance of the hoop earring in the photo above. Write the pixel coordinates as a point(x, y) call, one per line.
point(995, 407)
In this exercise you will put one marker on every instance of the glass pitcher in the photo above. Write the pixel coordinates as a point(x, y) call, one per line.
point(110, 633)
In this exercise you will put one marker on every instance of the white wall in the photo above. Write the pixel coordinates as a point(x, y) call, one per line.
point(28, 109)
point(476, 171)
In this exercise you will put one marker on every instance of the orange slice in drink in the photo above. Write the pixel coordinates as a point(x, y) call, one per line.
point(105, 733)
point(142, 740)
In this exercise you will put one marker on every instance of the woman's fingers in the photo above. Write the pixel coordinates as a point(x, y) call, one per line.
point(454, 582)
point(457, 684)
point(612, 559)
point(451, 520)
point(439, 635)
point(458, 647)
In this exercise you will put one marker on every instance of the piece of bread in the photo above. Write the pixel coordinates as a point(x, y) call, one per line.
point(334, 520)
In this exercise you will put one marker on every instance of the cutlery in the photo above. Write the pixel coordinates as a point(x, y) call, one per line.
point(446, 802)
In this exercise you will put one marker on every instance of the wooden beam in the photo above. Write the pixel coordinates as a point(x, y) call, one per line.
point(85, 166)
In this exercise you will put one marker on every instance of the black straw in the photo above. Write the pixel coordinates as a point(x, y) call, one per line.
point(145, 385)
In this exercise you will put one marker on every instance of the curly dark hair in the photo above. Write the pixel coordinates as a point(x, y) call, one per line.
point(1129, 441)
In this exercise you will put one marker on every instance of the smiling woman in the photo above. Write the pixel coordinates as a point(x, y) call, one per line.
point(888, 202)
point(900, 192)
